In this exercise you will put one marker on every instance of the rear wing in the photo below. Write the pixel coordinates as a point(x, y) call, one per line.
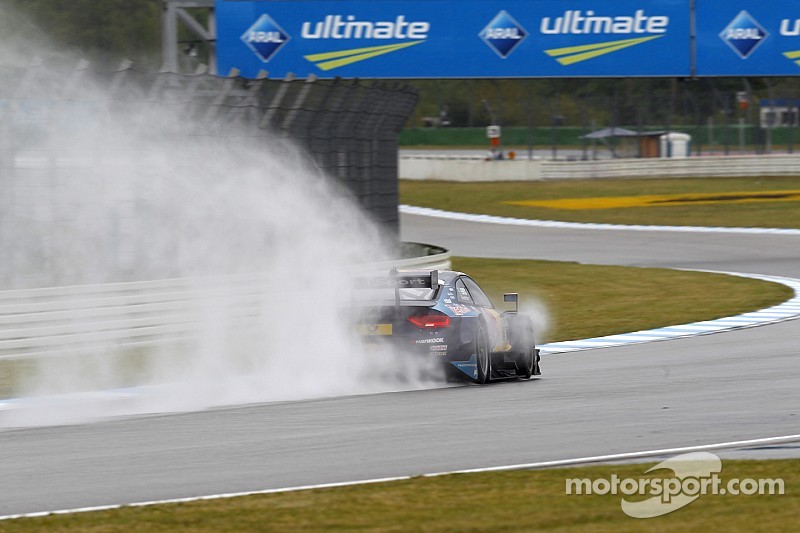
point(399, 280)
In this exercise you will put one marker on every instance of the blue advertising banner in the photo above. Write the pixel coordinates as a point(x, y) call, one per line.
point(454, 38)
point(748, 38)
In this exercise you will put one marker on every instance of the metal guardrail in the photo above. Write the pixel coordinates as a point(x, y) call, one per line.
point(75, 320)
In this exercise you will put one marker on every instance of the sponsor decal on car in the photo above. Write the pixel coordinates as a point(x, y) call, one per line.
point(503, 347)
point(400, 282)
point(469, 368)
point(458, 309)
point(374, 329)
point(433, 340)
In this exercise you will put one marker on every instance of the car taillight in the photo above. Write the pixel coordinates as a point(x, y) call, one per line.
point(430, 321)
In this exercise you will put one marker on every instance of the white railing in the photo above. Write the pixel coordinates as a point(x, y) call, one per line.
point(449, 169)
point(63, 320)
point(76, 319)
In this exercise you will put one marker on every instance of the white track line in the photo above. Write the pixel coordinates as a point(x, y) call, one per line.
point(788, 310)
point(770, 441)
point(509, 221)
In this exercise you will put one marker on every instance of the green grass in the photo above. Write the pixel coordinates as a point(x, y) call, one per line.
point(581, 301)
point(591, 300)
point(489, 198)
point(512, 501)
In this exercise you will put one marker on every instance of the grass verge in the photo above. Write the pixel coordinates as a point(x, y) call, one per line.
point(511, 501)
point(489, 198)
point(591, 300)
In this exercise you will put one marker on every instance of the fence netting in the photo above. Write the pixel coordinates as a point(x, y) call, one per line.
point(66, 125)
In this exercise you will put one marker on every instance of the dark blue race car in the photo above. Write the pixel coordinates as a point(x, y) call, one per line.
point(446, 316)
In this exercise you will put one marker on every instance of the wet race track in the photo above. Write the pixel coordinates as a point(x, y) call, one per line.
point(717, 388)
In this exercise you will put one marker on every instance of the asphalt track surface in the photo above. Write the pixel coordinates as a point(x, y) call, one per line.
point(725, 387)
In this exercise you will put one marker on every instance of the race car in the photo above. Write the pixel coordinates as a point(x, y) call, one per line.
point(446, 316)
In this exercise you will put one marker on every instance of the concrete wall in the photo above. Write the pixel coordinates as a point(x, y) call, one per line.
point(448, 168)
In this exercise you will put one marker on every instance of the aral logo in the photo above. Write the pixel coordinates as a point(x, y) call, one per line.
point(265, 38)
point(744, 34)
point(503, 34)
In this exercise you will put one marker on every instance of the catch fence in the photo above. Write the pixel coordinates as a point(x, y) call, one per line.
point(348, 129)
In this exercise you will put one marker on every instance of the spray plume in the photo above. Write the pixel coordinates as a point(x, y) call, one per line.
point(262, 244)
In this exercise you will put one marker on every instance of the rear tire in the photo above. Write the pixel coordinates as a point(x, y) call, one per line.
point(526, 350)
point(528, 362)
point(483, 357)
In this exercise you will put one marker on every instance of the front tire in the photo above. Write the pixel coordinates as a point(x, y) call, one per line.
point(483, 357)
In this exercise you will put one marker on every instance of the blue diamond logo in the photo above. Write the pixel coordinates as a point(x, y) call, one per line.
point(744, 34)
point(503, 34)
point(265, 38)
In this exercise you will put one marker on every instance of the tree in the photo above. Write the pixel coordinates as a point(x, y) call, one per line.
point(103, 31)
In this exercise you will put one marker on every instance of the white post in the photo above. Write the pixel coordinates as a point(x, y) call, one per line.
point(710, 133)
point(169, 38)
point(741, 135)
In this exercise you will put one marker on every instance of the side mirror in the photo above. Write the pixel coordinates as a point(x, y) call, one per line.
point(512, 297)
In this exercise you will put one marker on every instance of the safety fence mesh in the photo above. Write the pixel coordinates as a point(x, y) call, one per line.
point(50, 116)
